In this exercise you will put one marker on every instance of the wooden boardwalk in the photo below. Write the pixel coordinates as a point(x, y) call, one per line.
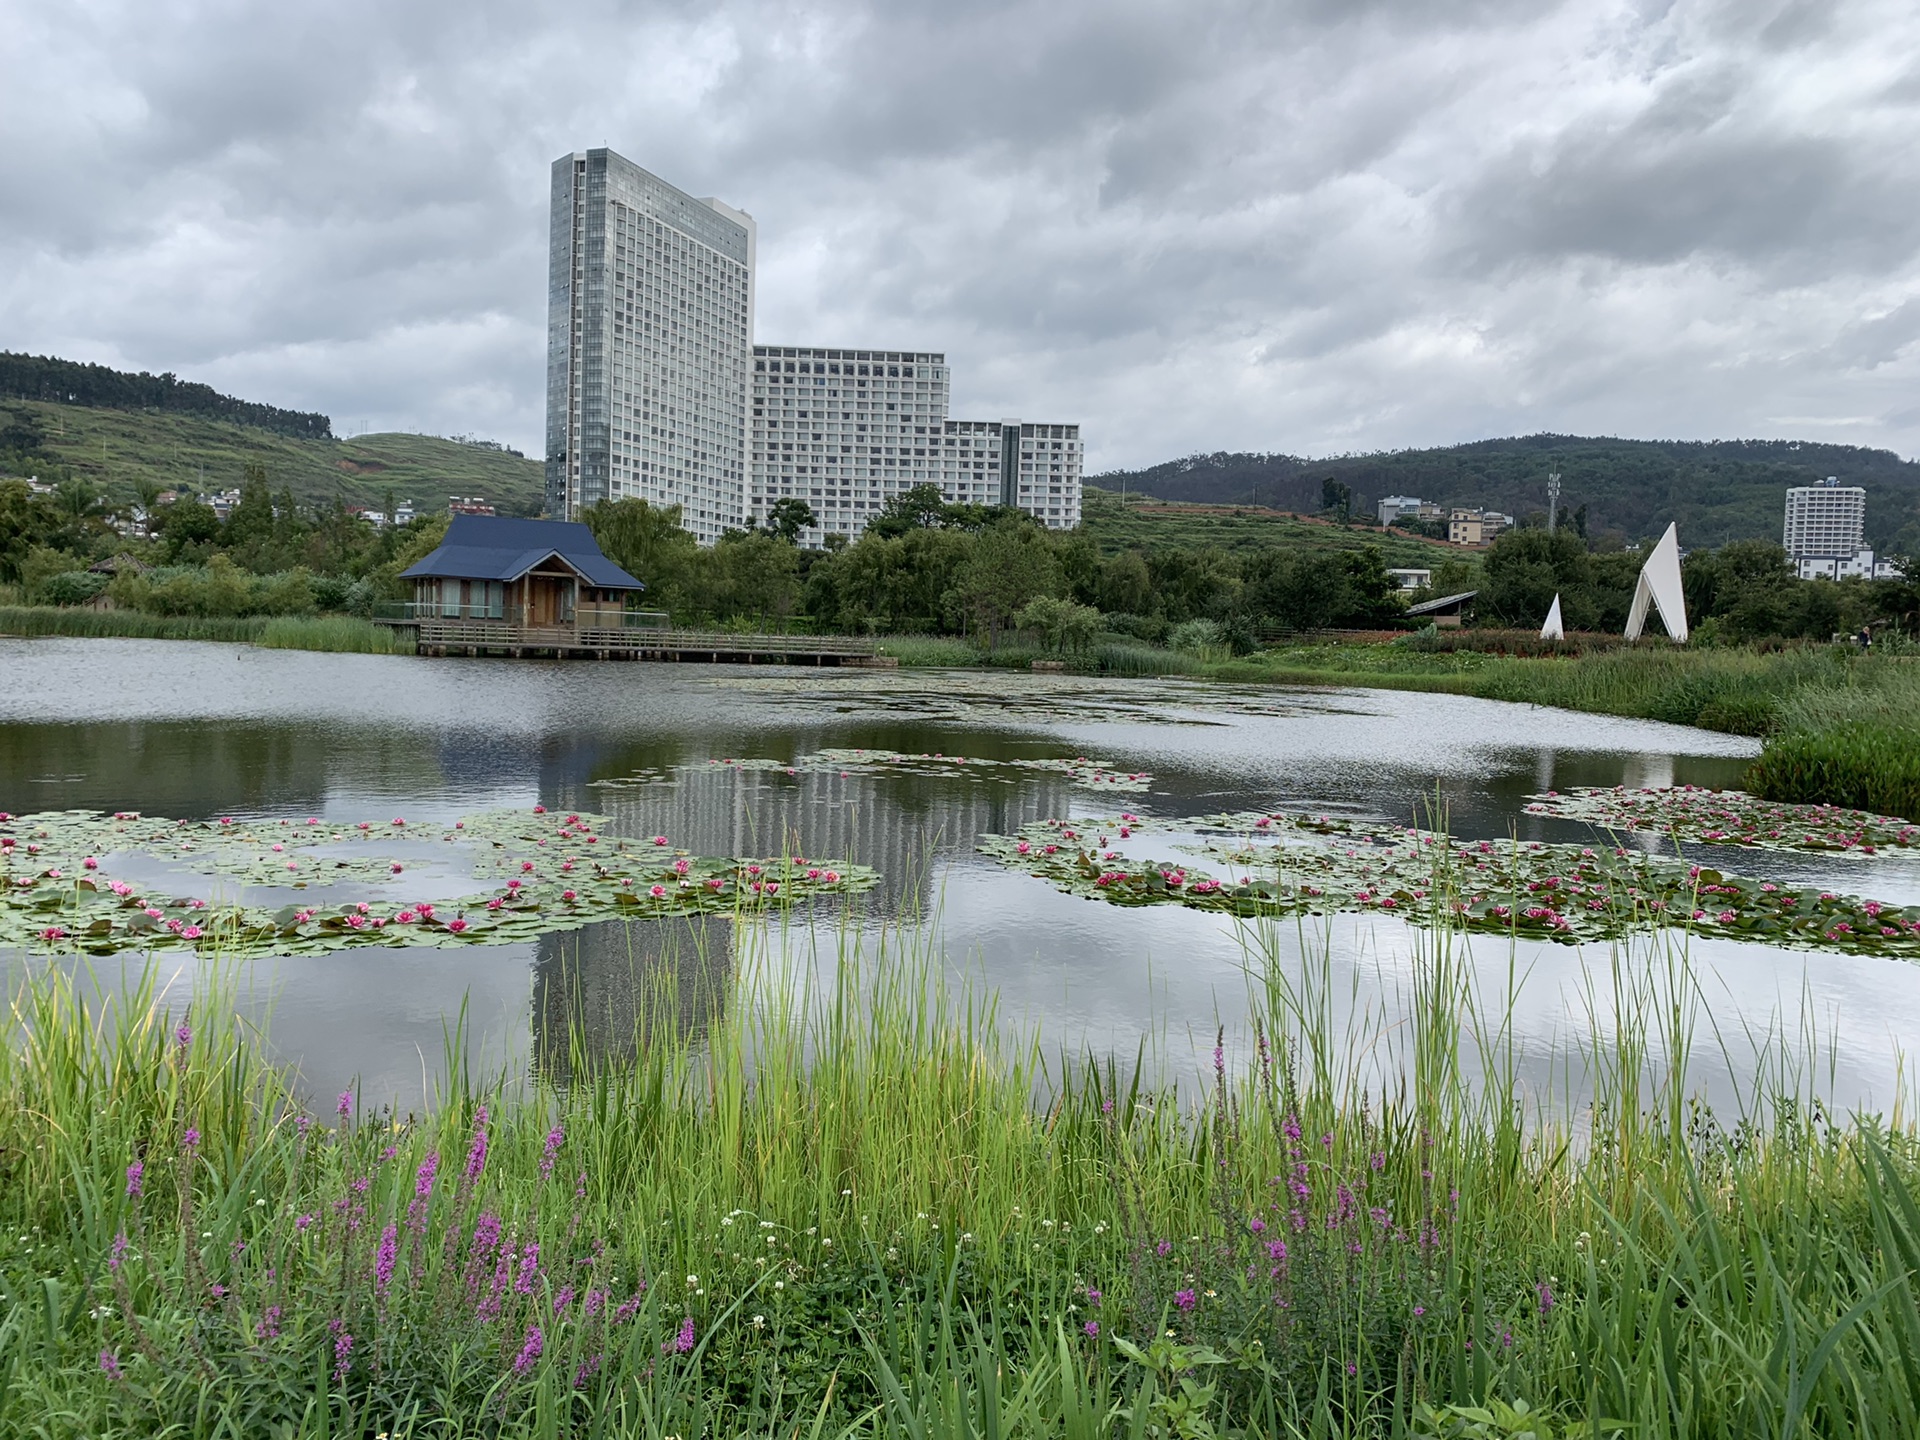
point(499, 637)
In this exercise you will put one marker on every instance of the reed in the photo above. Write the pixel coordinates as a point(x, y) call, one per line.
point(132, 624)
point(338, 634)
point(827, 1189)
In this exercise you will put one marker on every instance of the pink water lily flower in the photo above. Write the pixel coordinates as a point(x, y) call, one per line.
point(658, 892)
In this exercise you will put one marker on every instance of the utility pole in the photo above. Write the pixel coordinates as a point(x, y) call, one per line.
point(1553, 500)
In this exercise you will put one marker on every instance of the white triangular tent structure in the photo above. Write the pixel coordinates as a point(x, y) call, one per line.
point(1553, 630)
point(1660, 586)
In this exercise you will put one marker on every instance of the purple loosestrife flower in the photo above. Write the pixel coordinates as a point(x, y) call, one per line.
point(529, 1351)
point(344, 1107)
point(529, 1269)
point(1183, 1300)
point(134, 1173)
point(590, 1307)
point(683, 1342)
point(119, 1251)
point(554, 1138)
point(563, 1299)
point(183, 1035)
point(628, 1307)
point(190, 1140)
point(1093, 1296)
point(1546, 1297)
point(477, 1152)
point(268, 1327)
point(384, 1260)
point(110, 1364)
point(1092, 1327)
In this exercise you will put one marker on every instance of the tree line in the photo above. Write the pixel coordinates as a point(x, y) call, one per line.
point(924, 566)
point(70, 382)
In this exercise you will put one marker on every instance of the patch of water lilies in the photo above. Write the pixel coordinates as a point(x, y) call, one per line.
point(1076, 770)
point(1728, 817)
point(1278, 864)
point(540, 871)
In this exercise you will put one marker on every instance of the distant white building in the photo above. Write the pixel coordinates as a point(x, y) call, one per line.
point(1825, 521)
point(1396, 508)
point(1861, 564)
point(1410, 577)
point(849, 430)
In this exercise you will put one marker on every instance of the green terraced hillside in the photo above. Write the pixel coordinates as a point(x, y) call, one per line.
point(1143, 523)
point(116, 448)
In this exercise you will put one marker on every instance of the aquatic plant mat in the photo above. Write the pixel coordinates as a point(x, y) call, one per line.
point(1253, 864)
point(515, 874)
point(1728, 817)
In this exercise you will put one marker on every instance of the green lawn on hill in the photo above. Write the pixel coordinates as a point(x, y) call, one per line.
point(116, 448)
point(1143, 523)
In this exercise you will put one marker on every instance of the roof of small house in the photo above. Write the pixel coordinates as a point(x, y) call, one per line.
point(1443, 604)
point(499, 547)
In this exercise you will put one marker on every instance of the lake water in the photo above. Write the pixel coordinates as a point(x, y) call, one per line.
point(204, 730)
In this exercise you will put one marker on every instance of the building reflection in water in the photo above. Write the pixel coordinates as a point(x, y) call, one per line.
point(601, 992)
point(901, 825)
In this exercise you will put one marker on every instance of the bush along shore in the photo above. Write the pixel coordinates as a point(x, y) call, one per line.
point(871, 1207)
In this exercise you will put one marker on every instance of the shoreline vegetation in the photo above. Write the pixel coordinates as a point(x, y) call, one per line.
point(863, 1204)
point(1837, 726)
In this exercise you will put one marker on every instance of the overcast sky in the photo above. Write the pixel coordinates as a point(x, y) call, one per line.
point(1196, 225)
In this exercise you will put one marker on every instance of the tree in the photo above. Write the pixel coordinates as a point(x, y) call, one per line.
point(648, 543)
point(788, 516)
point(26, 521)
point(188, 529)
point(1336, 496)
point(1065, 624)
point(1010, 565)
point(1525, 569)
point(1125, 587)
point(918, 507)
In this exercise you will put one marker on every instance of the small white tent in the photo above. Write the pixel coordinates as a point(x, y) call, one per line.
point(1553, 630)
point(1660, 586)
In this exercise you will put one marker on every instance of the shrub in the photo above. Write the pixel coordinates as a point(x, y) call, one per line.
point(72, 587)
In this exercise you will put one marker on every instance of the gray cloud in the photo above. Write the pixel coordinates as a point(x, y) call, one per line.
point(1220, 223)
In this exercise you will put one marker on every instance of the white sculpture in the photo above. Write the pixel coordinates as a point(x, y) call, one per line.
point(1660, 585)
point(1553, 630)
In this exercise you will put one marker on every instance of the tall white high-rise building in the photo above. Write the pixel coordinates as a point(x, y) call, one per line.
point(847, 430)
point(649, 330)
point(1825, 521)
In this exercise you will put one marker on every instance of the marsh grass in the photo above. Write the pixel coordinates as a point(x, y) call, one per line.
point(863, 1201)
point(340, 634)
point(131, 624)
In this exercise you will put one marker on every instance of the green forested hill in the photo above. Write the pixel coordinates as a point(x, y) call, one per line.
point(1717, 490)
point(116, 448)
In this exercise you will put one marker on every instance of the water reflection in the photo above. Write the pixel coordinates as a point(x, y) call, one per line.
point(201, 730)
point(601, 994)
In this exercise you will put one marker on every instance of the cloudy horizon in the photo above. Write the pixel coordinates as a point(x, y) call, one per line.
point(1308, 228)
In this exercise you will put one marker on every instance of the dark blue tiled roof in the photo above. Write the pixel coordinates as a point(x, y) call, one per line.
point(496, 547)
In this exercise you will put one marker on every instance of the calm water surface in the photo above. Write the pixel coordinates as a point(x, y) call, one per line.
point(200, 730)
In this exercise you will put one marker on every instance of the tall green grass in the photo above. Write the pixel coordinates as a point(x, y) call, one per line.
point(1120, 658)
point(929, 650)
point(863, 1202)
point(337, 633)
point(340, 633)
point(1855, 743)
point(133, 624)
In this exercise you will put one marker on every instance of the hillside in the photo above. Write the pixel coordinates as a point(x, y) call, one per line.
point(115, 448)
point(1144, 523)
point(1717, 490)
